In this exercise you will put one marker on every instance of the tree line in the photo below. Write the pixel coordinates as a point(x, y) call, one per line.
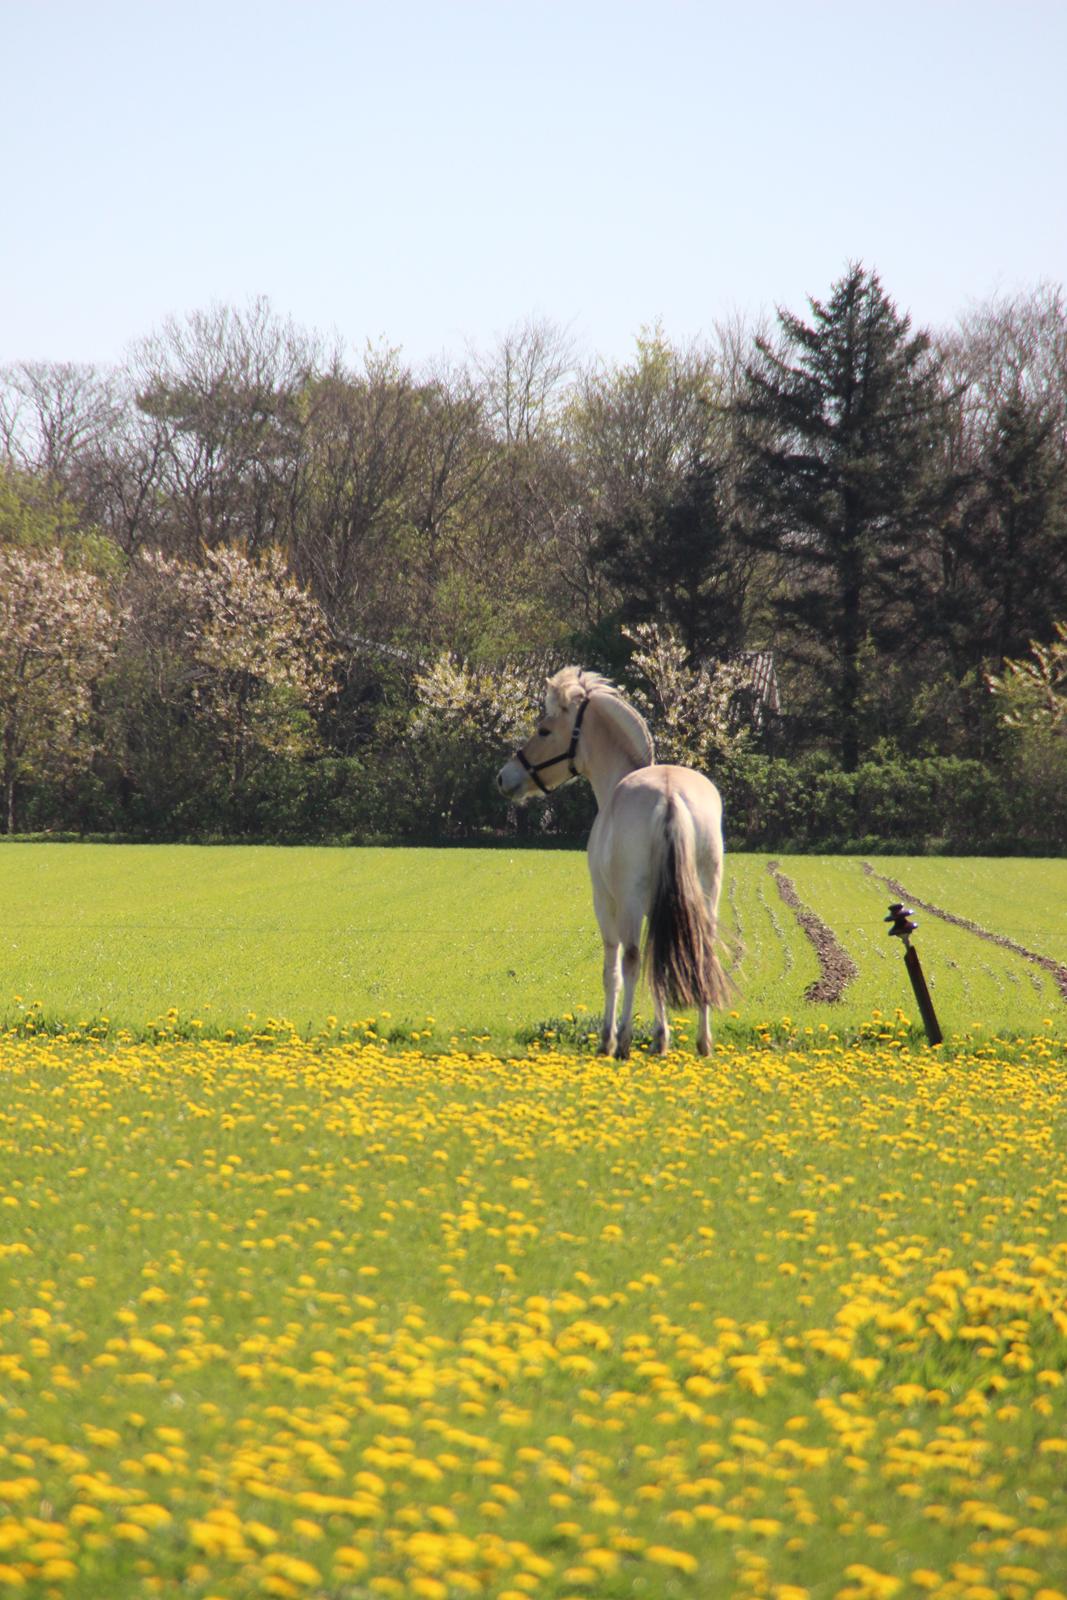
point(250, 587)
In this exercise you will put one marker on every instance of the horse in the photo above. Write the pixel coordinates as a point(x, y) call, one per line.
point(655, 852)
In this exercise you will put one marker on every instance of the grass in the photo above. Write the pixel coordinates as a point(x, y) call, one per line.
point(491, 946)
point(975, 985)
point(125, 932)
point(342, 1323)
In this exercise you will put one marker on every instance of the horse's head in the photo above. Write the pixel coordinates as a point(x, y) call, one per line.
point(547, 760)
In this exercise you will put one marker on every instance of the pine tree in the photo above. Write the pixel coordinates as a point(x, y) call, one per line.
point(837, 422)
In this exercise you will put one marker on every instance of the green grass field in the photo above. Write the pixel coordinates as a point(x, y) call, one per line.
point(487, 943)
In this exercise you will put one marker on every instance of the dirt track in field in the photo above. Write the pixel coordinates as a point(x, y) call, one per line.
point(836, 967)
point(1055, 969)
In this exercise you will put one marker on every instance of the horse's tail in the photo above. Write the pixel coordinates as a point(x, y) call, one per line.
point(681, 961)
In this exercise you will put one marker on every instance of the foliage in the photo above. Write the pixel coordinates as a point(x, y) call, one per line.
point(237, 647)
point(672, 557)
point(692, 710)
point(838, 422)
point(922, 803)
point(466, 721)
point(878, 507)
point(1033, 693)
point(55, 642)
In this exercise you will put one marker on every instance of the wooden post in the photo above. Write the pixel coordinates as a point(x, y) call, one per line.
point(903, 926)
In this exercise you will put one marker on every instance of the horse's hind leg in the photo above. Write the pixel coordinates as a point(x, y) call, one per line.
point(631, 968)
point(611, 996)
point(704, 1031)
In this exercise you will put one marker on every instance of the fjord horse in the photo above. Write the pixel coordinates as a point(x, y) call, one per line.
point(655, 852)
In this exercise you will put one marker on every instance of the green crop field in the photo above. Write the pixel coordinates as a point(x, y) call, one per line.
point(487, 943)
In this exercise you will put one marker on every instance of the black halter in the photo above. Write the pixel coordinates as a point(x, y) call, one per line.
point(533, 768)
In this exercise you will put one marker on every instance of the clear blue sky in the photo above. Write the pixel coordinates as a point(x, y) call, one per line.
point(432, 173)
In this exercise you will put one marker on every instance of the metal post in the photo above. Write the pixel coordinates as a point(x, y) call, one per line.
point(903, 926)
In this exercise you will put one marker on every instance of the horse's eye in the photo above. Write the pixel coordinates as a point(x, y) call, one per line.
point(543, 733)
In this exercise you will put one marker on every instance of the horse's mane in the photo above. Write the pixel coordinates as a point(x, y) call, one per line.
point(571, 685)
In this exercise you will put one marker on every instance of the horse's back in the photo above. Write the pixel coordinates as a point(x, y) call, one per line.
point(641, 795)
point(621, 846)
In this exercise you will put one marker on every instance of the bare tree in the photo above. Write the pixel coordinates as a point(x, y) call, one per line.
point(53, 415)
point(359, 443)
point(524, 378)
point(225, 389)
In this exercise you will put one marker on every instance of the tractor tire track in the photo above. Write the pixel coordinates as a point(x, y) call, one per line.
point(1056, 970)
point(836, 967)
point(735, 952)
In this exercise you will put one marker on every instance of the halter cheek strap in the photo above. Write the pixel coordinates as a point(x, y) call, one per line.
point(535, 768)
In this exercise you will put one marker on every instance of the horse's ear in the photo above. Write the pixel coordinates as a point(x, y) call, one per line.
point(551, 701)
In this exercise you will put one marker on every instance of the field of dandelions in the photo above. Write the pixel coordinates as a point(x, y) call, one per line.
point(342, 1312)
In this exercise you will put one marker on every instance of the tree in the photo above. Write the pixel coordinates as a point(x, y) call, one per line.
point(524, 379)
point(466, 718)
point(55, 642)
point(1033, 693)
point(233, 649)
point(359, 446)
point(52, 415)
point(671, 557)
point(34, 512)
point(1031, 698)
point(838, 426)
point(643, 439)
point(1014, 536)
point(223, 389)
point(691, 709)
point(1003, 566)
point(638, 430)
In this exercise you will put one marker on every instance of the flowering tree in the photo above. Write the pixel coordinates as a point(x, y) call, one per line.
point(689, 709)
point(487, 708)
point(238, 645)
point(55, 641)
point(466, 721)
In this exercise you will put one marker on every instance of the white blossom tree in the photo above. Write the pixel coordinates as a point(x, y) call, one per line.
point(56, 639)
point(488, 708)
point(255, 656)
point(689, 709)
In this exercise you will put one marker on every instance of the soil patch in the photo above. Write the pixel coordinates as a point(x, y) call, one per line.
point(836, 967)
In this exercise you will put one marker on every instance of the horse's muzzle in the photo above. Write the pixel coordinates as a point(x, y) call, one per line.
point(513, 782)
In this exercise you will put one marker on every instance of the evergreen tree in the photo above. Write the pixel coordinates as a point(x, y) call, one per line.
point(1012, 539)
point(672, 559)
point(837, 423)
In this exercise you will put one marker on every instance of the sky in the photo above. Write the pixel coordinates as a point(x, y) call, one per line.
point(433, 173)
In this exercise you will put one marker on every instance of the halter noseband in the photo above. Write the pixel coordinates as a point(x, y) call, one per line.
point(533, 768)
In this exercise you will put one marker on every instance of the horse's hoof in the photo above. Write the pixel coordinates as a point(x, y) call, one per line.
point(622, 1052)
point(703, 1047)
